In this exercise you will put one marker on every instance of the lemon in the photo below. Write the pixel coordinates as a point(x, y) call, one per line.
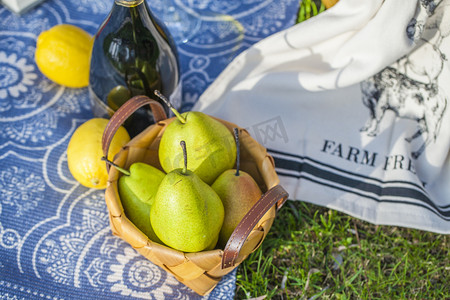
point(63, 55)
point(84, 152)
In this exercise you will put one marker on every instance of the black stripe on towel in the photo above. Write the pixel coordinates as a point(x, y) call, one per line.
point(396, 191)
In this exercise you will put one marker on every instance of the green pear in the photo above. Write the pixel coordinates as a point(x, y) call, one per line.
point(187, 214)
point(238, 192)
point(141, 182)
point(212, 149)
point(137, 189)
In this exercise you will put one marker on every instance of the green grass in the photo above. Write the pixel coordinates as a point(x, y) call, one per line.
point(312, 252)
point(308, 9)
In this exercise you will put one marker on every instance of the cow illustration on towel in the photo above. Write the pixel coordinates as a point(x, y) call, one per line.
point(410, 88)
point(407, 98)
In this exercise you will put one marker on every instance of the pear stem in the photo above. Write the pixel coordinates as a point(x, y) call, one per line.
point(238, 151)
point(183, 146)
point(126, 172)
point(167, 102)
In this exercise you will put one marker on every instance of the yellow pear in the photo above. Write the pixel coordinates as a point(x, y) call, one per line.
point(238, 192)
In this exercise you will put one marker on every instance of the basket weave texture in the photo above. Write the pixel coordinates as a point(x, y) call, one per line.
point(200, 271)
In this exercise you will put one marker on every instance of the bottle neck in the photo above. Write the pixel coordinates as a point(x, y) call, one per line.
point(129, 3)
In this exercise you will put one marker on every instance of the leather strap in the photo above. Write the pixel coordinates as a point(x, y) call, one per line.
point(125, 111)
point(275, 196)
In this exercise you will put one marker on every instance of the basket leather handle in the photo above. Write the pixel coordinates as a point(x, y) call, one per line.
point(124, 112)
point(277, 195)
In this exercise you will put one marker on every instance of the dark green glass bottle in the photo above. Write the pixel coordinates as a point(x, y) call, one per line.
point(133, 54)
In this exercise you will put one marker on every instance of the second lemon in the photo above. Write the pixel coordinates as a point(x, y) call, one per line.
point(63, 55)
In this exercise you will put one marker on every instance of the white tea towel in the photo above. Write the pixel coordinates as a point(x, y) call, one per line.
point(353, 106)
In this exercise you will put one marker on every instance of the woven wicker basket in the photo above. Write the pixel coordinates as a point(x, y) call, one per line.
point(200, 271)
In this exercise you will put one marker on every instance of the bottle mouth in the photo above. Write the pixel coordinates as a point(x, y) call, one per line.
point(128, 3)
